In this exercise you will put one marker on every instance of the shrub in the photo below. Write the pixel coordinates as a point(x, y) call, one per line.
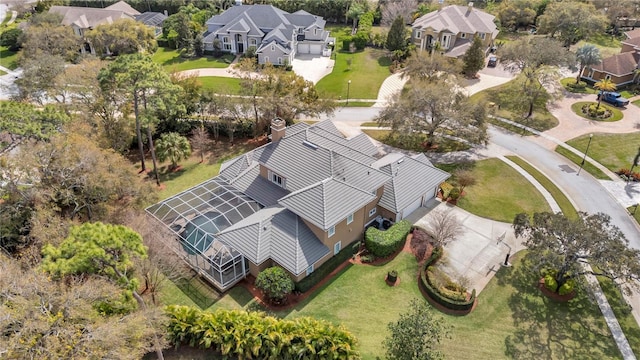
point(369, 258)
point(346, 43)
point(325, 269)
point(300, 338)
point(11, 39)
point(446, 189)
point(435, 295)
point(624, 171)
point(579, 86)
point(566, 288)
point(361, 40)
point(385, 243)
point(454, 194)
point(550, 283)
point(275, 283)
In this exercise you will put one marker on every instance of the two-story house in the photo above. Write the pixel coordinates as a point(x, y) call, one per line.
point(295, 202)
point(452, 29)
point(276, 35)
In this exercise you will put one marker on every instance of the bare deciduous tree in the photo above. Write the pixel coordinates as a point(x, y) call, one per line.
point(402, 8)
point(464, 178)
point(444, 227)
point(200, 141)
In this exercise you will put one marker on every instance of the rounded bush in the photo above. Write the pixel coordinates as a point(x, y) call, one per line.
point(550, 283)
point(275, 283)
point(385, 243)
point(566, 288)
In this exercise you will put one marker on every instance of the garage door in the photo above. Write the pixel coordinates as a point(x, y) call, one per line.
point(411, 208)
point(316, 49)
point(303, 48)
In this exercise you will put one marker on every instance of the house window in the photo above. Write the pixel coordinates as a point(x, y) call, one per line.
point(279, 61)
point(266, 59)
point(226, 45)
point(337, 247)
point(607, 77)
point(482, 35)
point(315, 31)
point(273, 48)
point(372, 212)
point(331, 231)
point(276, 179)
point(418, 34)
point(463, 35)
point(309, 270)
point(445, 41)
point(349, 219)
point(252, 42)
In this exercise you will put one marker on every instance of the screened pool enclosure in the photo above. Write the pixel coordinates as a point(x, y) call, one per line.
point(195, 216)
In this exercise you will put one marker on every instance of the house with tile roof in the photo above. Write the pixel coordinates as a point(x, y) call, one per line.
point(453, 28)
point(294, 202)
point(276, 35)
point(620, 68)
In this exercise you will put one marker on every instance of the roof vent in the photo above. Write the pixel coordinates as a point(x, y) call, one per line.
point(400, 161)
point(310, 144)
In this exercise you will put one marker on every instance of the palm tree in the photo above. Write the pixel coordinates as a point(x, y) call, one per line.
point(604, 85)
point(587, 55)
point(174, 147)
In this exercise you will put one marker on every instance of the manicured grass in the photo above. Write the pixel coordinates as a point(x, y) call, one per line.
point(222, 85)
point(444, 145)
point(571, 80)
point(614, 151)
point(367, 71)
point(565, 205)
point(170, 59)
point(616, 114)
point(622, 311)
point(512, 128)
point(8, 58)
point(636, 103)
point(588, 167)
point(357, 104)
point(607, 44)
point(511, 106)
point(498, 192)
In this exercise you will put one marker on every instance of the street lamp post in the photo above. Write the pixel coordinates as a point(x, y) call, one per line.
point(348, 88)
point(585, 154)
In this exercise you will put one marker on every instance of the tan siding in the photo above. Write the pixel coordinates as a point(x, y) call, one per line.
point(386, 214)
point(256, 269)
point(264, 172)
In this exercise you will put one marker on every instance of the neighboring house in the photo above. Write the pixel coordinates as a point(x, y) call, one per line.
point(453, 28)
point(620, 68)
point(153, 19)
point(276, 35)
point(295, 202)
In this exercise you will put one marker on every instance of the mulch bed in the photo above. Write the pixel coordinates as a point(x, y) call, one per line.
point(557, 297)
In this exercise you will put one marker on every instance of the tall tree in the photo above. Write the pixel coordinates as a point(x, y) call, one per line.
point(397, 37)
point(25, 121)
point(356, 9)
point(200, 140)
point(49, 37)
point(391, 10)
point(101, 249)
point(123, 36)
point(436, 109)
point(426, 66)
point(173, 147)
point(416, 334)
point(537, 60)
point(587, 55)
point(473, 59)
point(517, 13)
point(39, 78)
point(572, 20)
point(566, 246)
point(144, 82)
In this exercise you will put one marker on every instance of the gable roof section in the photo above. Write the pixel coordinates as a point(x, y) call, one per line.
point(257, 187)
point(410, 179)
point(360, 175)
point(326, 203)
point(124, 7)
point(619, 64)
point(458, 19)
point(278, 234)
point(232, 168)
point(151, 18)
point(86, 18)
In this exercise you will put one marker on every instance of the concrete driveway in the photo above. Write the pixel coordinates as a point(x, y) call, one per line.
point(481, 247)
point(312, 67)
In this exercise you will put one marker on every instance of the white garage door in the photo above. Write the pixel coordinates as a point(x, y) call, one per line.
point(303, 48)
point(316, 49)
point(411, 208)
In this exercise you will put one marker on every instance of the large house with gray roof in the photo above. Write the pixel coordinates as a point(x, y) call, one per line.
point(294, 202)
point(276, 35)
point(453, 28)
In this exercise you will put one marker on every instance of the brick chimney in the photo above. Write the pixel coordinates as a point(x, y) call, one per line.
point(278, 128)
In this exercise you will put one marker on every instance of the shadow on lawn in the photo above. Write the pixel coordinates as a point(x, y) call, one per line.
point(546, 329)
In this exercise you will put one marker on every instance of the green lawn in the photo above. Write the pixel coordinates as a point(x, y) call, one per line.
point(616, 114)
point(636, 103)
point(171, 60)
point(498, 193)
point(622, 311)
point(614, 151)
point(367, 71)
point(588, 167)
point(607, 44)
point(571, 80)
point(565, 205)
point(222, 85)
point(511, 107)
point(8, 59)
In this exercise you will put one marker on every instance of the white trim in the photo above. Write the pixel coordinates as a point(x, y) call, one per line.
point(310, 269)
point(349, 219)
point(463, 35)
point(337, 247)
point(372, 212)
point(331, 231)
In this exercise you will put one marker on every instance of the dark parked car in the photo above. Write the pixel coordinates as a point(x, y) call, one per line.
point(493, 61)
point(613, 98)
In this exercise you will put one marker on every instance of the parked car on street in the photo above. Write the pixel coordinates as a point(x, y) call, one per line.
point(493, 61)
point(612, 98)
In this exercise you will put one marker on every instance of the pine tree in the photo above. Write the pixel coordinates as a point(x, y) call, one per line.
point(396, 39)
point(474, 58)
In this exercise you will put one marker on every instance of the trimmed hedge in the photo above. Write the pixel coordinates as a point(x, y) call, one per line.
point(385, 243)
point(435, 295)
point(325, 269)
point(253, 335)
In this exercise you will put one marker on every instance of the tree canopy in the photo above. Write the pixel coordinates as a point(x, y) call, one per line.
point(587, 55)
point(572, 21)
point(47, 35)
point(473, 58)
point(572, 248)
point(23, 120)
point(173, 147)
point(123, 36)
point(397, 36)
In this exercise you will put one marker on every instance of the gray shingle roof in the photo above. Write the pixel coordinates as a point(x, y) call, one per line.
point(328, 202)
point(257, 187)
point(151, 18)
point(85, 18)
point(278, 234)
point(410, 179)
point(360, 175)
point(232, 168)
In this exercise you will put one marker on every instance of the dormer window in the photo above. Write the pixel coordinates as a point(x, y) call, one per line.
point(463, 35)
point(277, 179)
